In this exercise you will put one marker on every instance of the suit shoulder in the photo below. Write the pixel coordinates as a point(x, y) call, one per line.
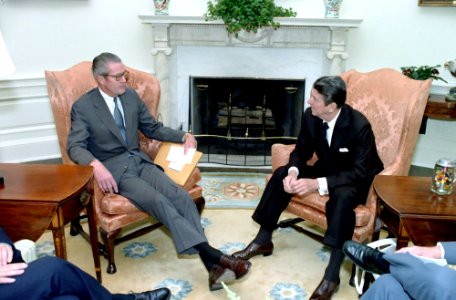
point(85, 98)
point(129, 92)
point(356, 114)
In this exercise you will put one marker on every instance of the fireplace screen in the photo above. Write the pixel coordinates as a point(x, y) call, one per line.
point(236, 120)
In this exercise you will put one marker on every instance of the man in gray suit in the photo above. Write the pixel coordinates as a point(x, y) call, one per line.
point(407, 274)
point(104, 134)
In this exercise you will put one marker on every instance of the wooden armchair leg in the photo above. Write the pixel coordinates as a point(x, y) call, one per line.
point(108, 240)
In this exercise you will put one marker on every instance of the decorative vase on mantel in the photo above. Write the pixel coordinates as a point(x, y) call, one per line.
point(161, 7)
point(332, 8)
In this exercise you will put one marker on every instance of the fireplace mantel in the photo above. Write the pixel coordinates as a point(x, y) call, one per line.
point(170, 32)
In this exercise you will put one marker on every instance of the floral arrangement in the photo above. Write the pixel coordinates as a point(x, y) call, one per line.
point(422, 72)
point(248, 15)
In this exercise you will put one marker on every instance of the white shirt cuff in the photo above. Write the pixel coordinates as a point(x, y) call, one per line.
point(441, 249)
point(322, 186)
point(293, 169)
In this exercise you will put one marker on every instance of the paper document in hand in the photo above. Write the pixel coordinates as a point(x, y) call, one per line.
point(177, 159)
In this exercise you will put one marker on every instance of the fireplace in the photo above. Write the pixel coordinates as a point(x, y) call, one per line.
point(236, 120)
point(186, 47)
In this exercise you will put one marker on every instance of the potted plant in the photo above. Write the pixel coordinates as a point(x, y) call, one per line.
point(248, 15)
point(422, 72)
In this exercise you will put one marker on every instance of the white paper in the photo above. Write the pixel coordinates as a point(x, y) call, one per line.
point(177, 159)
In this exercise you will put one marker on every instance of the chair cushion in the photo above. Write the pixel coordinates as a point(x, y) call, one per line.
point(113, 204)
point(317, 203)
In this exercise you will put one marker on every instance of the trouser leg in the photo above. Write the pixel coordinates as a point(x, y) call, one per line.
point(386, 287)
point(340, 216)
point(422, 280)
point(273, 201)
point(153, 191)
point(51, 277)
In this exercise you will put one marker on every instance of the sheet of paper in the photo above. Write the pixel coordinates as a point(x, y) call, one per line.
point(177, 159)
point(176, 166)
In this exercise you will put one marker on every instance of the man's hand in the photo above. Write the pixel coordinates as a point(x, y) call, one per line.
point(302, 186)
point(106, 182)
point(190, 142)
point(8, 272)
point(289, 181)
point(6, 254)
point(431, 252)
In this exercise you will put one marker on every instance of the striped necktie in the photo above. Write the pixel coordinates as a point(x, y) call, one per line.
point(119, 120)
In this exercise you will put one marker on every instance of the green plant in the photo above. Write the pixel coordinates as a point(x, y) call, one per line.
point(249, 15)
point(422, 72)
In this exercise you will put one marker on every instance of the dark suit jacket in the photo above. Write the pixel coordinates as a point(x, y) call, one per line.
point(94, 133)
point(351, 159)
point(4, 238)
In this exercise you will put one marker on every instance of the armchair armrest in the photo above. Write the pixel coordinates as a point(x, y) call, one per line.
point(280, 155)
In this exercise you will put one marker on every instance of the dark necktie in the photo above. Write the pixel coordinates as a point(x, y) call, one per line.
point(119, 120)
point(324, 131)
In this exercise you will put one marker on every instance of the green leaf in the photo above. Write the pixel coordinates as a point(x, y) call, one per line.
point(248, 15)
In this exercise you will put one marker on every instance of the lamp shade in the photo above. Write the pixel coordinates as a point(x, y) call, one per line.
point(6, 64)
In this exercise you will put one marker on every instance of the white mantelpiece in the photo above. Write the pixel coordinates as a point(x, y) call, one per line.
point(181, 45)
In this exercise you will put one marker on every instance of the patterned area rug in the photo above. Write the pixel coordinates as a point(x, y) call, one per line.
point(291, 273)
point(232, 189)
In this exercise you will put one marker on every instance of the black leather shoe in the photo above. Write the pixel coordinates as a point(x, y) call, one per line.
point(254, 249)
point(365, 257)
point(325, 290)
point(217, 274)
point(240, 267)
point(158, 294)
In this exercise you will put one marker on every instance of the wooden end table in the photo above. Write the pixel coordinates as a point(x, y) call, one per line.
point(410, 210)
point(36, 197)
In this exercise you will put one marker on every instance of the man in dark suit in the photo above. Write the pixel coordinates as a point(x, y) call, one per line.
point(409, 273)
point(343, 140)
point(51, 278)
point(104, 134)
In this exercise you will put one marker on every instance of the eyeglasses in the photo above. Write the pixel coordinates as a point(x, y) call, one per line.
point(119, 76)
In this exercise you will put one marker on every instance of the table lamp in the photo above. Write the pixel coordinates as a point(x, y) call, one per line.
point(6, 69)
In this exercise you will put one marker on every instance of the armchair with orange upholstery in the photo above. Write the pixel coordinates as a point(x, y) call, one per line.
point(113, 211)
point(394, 104)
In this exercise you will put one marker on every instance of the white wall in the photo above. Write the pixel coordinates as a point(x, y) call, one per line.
point(55, 34)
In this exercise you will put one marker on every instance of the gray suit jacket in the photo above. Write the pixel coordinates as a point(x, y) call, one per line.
point(94, 134)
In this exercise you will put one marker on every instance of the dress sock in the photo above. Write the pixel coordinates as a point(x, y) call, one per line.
point(335, 261)
point(208, 254)
point(263, 236)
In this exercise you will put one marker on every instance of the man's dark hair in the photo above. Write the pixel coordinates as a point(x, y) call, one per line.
point(100, 63)
point(332, 88)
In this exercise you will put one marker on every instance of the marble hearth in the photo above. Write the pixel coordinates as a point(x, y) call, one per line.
point(186, 47)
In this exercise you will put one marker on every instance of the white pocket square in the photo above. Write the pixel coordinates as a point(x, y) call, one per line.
point(343, 150)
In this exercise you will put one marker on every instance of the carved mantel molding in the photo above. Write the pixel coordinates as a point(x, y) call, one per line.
point(168, 32)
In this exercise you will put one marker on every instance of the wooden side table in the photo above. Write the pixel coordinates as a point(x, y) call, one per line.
point(37, 197)
point(438, 108)
point(410, 210)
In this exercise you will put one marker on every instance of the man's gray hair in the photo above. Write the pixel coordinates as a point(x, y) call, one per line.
point(100, 63)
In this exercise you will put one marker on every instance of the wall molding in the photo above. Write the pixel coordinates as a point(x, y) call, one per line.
point(27, 128)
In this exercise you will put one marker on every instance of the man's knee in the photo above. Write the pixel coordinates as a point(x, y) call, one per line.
point(385, 287)
point(53, 263)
